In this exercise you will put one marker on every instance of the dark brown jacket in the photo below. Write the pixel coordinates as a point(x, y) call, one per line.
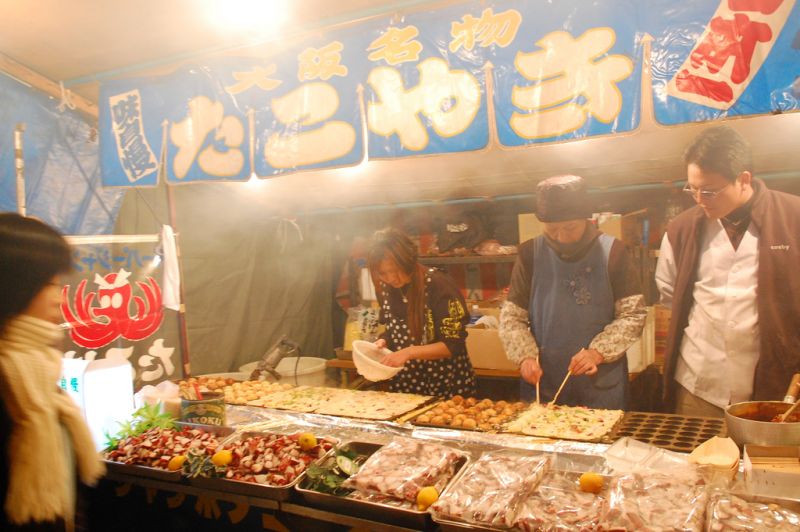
point(776, 216)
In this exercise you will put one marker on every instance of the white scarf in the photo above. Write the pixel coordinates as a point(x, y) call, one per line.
point(39, 483)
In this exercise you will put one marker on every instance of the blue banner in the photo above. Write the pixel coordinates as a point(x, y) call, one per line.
point(573, 71)
point(511, 72)
point(423, 97)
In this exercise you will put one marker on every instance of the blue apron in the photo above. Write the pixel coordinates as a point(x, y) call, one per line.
point(571, 302)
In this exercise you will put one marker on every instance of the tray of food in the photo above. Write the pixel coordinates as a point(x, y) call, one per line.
point(565, 422)
point(375, 405)
point(489, 493)
point(470, 414)
point(306, 399)
point(322, 488)
point(261, 464)
point(564, 500)
point(161, 453)
point(651, 500)
point(743, 511)
point(205, 384)
point(239, 393)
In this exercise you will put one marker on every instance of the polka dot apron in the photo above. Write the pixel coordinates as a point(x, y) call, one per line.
point(443, 377)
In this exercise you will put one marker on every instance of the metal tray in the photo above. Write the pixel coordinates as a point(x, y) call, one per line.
point(142, 471)
point(220, 431)
point(788, 503)
point(252, 489)
point(163, 474)
point(495, 429)
point(669, 431)
point(446, 524)
point(373, 511)
point(608, 437)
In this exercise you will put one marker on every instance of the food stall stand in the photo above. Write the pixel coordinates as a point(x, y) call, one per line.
point(134, 497)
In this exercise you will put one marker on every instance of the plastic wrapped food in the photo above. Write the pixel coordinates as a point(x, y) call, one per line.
point(491, 490)
point(403, 467)
point(729, 512)
point(383, 499)
point(559, 504)
point(656, 502)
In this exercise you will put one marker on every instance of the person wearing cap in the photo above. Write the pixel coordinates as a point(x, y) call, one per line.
point(574, 304)
point(728, 267)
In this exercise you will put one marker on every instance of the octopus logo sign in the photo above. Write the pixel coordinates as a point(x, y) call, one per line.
point(96, 326)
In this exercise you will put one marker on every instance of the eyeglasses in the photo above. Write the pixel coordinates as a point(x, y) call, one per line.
point(706, 195)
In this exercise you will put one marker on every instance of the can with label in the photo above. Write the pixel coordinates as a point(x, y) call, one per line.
point(210, 410)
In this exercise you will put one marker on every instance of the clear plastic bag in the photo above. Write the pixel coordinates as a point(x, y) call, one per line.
point(383, 499)
point(403, 467)
point(656, 501)
point(491, 490)
point(729, 512)
point(559, 504)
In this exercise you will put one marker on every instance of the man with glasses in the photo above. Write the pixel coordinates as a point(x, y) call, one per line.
point(574, 304)
point(730, 269)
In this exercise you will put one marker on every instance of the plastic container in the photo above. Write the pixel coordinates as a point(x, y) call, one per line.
point(366, 356)
point(310, 370)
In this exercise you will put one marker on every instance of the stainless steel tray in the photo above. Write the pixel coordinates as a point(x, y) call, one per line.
point(142, 471)
point(163, 474)
point(453, 525)
point(446, 524)
point(253, 489)
point(373, 511)
point(219, 431)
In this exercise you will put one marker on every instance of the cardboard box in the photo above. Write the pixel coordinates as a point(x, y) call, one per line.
point(772, 470)
point(529, 226)
point(485, 349)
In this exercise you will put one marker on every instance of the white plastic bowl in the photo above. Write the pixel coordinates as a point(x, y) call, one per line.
point(366, 357)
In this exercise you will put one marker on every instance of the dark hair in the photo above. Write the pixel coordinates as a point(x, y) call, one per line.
point(393, 244)
point(721, 150)
point(31, 254)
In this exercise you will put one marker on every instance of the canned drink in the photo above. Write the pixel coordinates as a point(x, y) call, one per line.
point(210, 410)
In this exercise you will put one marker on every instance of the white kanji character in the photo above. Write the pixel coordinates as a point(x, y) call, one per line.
point(189, 136)
point(159, 357)
point(309, 104)
point(572, 79)
point(450, 99)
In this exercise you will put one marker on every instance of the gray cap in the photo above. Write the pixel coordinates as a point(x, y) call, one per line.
point(562, 198)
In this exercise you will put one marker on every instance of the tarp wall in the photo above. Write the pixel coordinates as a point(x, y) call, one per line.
point(62, 176)
point(248, 275)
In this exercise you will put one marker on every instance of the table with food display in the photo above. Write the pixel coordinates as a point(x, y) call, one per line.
point(318, 458)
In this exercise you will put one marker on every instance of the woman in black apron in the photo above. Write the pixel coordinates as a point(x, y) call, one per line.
point(425, 317)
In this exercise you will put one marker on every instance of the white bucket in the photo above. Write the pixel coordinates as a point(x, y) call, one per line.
point(310, 371)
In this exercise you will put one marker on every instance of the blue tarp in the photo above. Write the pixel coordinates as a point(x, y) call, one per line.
point(62, 170)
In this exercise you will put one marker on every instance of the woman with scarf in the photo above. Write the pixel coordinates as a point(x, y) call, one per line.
point(425, 317)
point(574, 304)
point(44, 439)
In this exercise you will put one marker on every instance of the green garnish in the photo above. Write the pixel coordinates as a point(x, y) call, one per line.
point(142, 420)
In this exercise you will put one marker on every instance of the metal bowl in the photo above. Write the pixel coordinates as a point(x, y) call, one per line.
point(743, 426)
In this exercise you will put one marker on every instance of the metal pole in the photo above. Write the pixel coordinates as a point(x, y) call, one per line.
point(19, 168)
point(183, 333)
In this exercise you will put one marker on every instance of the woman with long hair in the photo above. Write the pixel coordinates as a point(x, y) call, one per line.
point(425, 317)
point(44, 439)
